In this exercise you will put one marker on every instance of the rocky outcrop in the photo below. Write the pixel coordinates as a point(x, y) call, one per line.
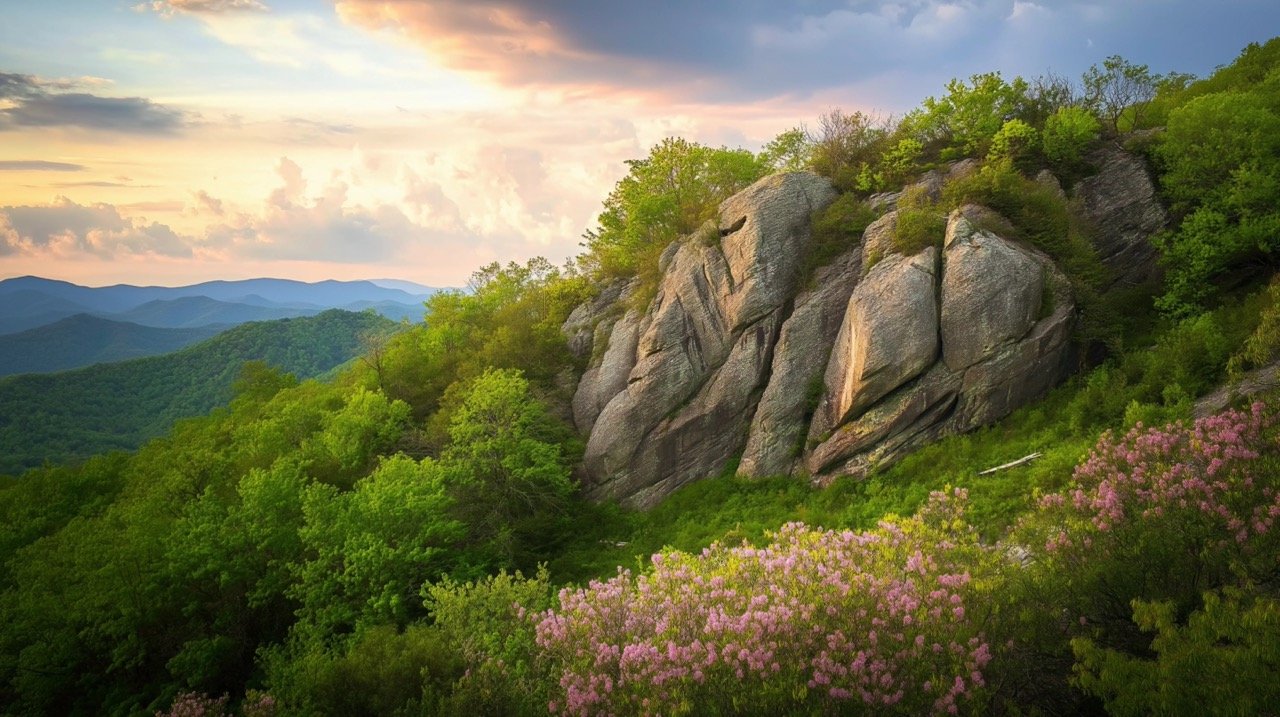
point(878, 353)
point(781, 420)
point(925, 352)
point(1123, 211)
point(702, 360)
point(889, 336)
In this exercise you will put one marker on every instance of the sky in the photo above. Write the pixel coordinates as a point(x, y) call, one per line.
point(174, 141)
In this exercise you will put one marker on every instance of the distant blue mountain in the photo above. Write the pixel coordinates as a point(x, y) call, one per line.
point(193, 311)
point(27, 308)
point(28, 302)
point(84, 340)
point(122, 297)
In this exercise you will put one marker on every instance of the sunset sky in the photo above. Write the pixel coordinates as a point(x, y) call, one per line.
point(174, 141)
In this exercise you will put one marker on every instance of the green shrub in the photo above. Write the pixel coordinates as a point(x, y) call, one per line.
point(921, 223)
point(1221, 661)
point(1067, 134)
point(836, 229)
point(1016, 142)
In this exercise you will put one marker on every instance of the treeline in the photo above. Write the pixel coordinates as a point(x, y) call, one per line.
point(119, 406)
point(346, 547)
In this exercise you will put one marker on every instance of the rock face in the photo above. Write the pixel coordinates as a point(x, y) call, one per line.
point(873, 356)
point(926, 350)
point(1121, 205)
point(781, 421)
point(703, 357)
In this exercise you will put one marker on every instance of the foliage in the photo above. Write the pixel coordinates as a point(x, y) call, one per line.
point(837, 229)
point(510, 318)
point(1016, 142)
point(371, 547)
point(1068, 132)
point(884, 619)
point(1263, 345)
point(790, 151)
point(507, 468)
point(847, 147)
point(484, 621)
point(669, 193)
point(964, 121)
point(920, 223)
point(1221, 661)
point(1119, 90)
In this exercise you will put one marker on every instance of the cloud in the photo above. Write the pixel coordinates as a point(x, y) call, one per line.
point(169, 8)
point(65, 228)
point(723, 51)
point(38, 165)
point(32, 102)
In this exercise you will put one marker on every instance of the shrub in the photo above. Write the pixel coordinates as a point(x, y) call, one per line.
point(921, 223)
point(837, 229)
point(1067, 134)
point(1162, 514)
point(1015, 142)
point(1222, 661)
point(884, 620)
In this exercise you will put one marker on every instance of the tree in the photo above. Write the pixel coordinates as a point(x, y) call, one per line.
point(846, 146)
point(506, 466)
point(1067, 134)
point(372, 548)
point(668, 193)
point(790, 151)
point(963, 122)
point(1119, 86)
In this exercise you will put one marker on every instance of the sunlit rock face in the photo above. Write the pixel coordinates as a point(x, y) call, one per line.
point(738, 357)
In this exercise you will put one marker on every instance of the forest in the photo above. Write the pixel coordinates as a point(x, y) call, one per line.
point(118, 406)
point(404, 536)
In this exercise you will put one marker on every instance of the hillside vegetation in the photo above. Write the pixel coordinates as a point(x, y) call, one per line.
point(406, 538)
point(119, 406)
point(83, 340)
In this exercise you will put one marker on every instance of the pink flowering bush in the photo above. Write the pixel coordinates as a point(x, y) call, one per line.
point(194, 704)
point(887, 620)
point(1168, 513)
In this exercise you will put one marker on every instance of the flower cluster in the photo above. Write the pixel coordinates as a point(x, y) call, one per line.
point(1218, 474)
point(885, 620)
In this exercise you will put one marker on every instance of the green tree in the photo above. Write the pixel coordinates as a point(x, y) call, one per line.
point(1119, 90)
point(790, 151)
point(1068, 132)
point(369, 550)
point(963, 122)
point(670, 192)
point(508, 469)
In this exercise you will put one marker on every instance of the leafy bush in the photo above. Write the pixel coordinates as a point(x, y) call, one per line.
point(921, 223)
point(669, 193)
point(1067, 134)
point(889, 619)
point(1222, 661)
point(846, 147)
point(1016, 142)
point(837, 229)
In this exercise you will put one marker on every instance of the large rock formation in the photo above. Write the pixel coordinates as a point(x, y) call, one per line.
point(781, 421)
point(849, 369)
point(1121, 205)
point(928, 350)
point(703, 357)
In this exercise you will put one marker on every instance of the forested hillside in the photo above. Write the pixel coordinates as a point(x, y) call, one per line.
point(76, 414)
point(83, 340)
point(408, 538)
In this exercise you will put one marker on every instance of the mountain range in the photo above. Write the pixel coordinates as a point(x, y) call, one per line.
point(29, 302)
point(50, 325)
